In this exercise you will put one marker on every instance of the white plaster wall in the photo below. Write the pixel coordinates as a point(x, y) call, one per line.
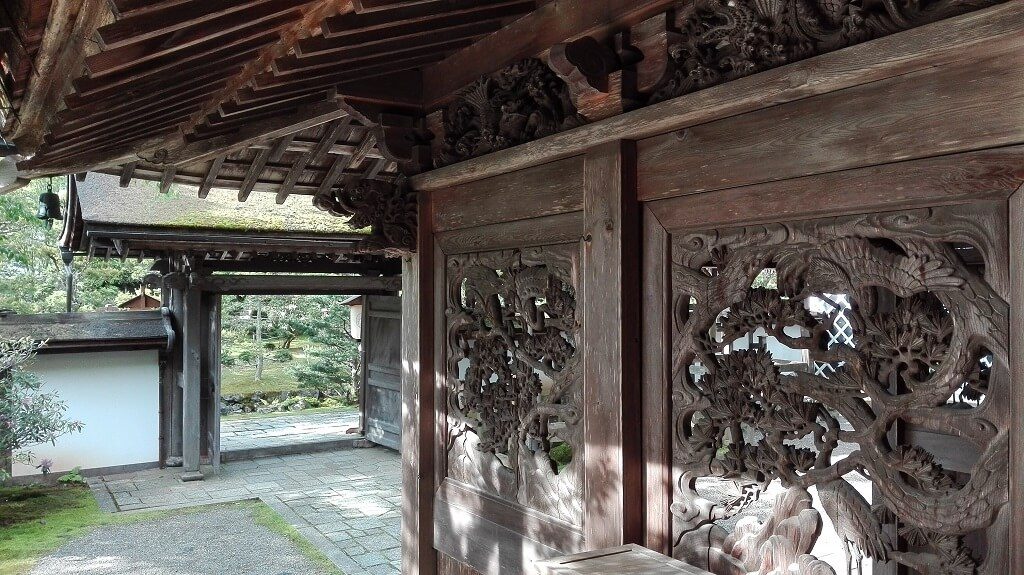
point(116, 395)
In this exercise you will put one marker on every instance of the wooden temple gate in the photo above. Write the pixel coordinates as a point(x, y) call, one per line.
point(585, 294)
point(740, 281)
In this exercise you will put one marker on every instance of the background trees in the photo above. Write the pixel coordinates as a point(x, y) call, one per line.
point(32, 275)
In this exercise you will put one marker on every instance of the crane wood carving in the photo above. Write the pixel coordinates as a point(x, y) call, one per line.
point(930, 354)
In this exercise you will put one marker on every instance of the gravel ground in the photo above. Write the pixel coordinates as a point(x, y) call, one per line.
point(220, 541)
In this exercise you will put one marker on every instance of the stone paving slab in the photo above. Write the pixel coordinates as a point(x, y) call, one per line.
point(291, 429)
point(209, 542)
point(347, 503)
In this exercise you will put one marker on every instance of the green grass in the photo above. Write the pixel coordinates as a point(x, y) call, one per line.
point(268, 518)
point(35, 521)
point(240, 380)
point(342, 409)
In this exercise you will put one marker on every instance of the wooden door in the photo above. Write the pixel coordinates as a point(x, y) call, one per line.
point(381, 399)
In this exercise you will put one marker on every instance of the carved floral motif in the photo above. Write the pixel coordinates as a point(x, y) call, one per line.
point(926, 328)
point(513, 376)
point(521, 103)
point(722, 40)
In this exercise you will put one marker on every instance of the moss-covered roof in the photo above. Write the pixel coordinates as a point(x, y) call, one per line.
point(104, 201)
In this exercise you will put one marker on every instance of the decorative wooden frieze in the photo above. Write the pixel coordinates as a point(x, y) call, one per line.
point(722, 40)
point(757, 417)
point(521, 103)
point(387, 208)
point(513, 377)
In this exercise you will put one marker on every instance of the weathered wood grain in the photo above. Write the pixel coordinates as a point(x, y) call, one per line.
point(516, 518)
point(1016, 479)
point(950, 179)
point(482, 544)
point(990, 32)
point(553, 188)
point(545, 230)
point(944, 110)
point(418, 555)
point(611, 309)
point(657, 383)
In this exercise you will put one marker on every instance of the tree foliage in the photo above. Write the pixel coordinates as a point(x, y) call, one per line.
point(331, 355)
point(32, 275)
point(28, 416)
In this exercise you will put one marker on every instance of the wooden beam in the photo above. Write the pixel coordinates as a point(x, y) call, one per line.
point(126, 174)
point(167, 179)
point(984, 33)
point(557, 21)
point(62, 50)
point(211, 176)
point(306, 117)
point(299, 285)
point(186, 18)
point(313, 14)
point(255, 169)
point(332, 132)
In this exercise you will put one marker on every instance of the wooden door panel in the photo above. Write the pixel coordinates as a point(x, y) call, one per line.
point(893, 436)
point(382, 387)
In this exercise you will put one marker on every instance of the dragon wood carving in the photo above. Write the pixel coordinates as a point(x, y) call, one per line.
point(722, 40)
point(928, 329)
point(520, 103)
point(514, 377)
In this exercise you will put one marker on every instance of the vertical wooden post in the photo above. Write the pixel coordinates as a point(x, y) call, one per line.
point(1016, 479)
point(418, 554)
point(211, 307)
point(191, 383)
point(657, 384)
point(612, 427)
point(176, 303)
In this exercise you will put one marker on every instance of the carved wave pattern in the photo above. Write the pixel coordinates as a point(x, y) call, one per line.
point(752, 416)
point(514, 391)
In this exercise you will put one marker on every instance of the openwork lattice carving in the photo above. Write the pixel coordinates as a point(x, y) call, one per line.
point(722, 40)
point(521, 103)
point(513, 376)
point(928, 358)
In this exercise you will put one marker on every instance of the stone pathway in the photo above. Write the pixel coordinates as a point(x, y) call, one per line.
point(347, 503)
point(280, 430)
point(207, 542)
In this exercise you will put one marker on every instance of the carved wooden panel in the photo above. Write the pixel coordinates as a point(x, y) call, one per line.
point(522, 102)
point(514, 377)
point(902, 446)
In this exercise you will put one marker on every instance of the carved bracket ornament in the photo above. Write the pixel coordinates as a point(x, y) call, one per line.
point(387, 208)
point(521, 103)
point(769, 404)
point(514, 383)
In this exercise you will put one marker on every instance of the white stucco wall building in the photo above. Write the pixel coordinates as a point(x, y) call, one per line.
point(116, 395)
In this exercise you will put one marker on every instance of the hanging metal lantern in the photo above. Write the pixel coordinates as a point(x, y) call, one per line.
point(49, 205)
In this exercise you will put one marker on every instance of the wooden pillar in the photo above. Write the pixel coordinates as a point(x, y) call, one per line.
point(191, 383)
point(211, 378)
point(418, 554)
point(612, 427)
point(1016, 355)
point(176, 304)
